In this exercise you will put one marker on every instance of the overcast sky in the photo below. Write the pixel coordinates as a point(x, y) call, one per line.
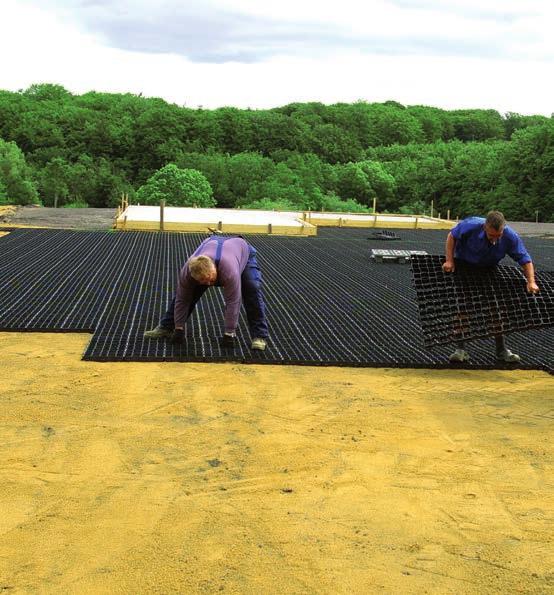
point(249, 53)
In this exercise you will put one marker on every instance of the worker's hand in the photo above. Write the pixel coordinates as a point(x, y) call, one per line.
point(227, 341)
point(448, 266)
point(532, 287)
point(177, 337)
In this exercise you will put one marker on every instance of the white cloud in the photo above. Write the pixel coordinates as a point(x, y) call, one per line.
point(47, 45)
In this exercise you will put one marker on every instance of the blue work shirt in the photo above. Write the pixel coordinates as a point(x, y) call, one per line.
point(473, 246)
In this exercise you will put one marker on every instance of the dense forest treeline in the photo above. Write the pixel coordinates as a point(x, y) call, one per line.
point(71, 150)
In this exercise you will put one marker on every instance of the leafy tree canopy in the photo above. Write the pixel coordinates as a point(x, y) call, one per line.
point(178, 187)
point(77, 149)
point(16, 184)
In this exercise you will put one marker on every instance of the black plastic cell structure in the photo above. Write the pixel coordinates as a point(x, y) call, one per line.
point(327, 302)
point(475, 302)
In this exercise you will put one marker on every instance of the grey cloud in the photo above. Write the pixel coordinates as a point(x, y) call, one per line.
point(202, 32)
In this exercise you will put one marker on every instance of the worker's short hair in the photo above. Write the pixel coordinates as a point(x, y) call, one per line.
point(496, 220)
point(200, 266)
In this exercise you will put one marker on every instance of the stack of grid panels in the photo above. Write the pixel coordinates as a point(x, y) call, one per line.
point(327, 302)
point(384, 234)
point(478, 302)
point(394, 255)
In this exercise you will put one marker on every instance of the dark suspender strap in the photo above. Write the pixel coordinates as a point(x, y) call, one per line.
point(218, 250)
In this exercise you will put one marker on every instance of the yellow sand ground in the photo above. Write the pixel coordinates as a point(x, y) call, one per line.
point(199, 478)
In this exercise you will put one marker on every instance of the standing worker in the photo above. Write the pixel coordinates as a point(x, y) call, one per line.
point(481, 242)
point(227, 262)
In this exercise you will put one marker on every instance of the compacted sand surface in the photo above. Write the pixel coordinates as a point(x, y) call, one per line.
point(202, 478)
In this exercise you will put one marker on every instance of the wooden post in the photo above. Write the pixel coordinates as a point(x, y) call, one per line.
point(162, 207)
point(374, 205)
point(416, 222)
point(536, 216)
point(432, 204)
point(269, 228)
point(117, 214)
point(374, 220)
point(340, 221)
point(448, 215)
point(439, 215)
point(220, 225)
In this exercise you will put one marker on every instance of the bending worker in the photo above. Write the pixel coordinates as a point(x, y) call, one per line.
point(227, 262)
point(484, 243)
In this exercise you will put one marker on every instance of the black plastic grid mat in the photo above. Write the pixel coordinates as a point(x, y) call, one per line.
point(475, 302)
point(328, 304)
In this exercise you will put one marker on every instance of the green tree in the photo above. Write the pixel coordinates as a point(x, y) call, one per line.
point(53, 182)
point(3, 194)
point(15, 176)
point(477, 125)
point(473, 178)
point(283, 184)
point(334, 145)
point(267, 204)
point(433, 122)
point(352, 183)
point(245, 170)
point(47, 92)
point(236, 133)
point(178, 187)
point(527, 164)
point(215, 167)
point(331, 202)
point(514, 121)
point(317, 177)
point(365, 181)
point(389, 125)
point(81, 179)
point(272, 131)
point(382, 184)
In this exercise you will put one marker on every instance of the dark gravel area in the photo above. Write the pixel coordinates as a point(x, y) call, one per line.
point(525, 228)
point(88, 219)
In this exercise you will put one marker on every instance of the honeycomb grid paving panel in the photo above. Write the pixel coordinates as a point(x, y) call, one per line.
point(473, 302)
point(327, 302)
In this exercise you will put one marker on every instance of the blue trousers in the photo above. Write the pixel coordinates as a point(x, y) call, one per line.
point(499, 340)
point(252, 297)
